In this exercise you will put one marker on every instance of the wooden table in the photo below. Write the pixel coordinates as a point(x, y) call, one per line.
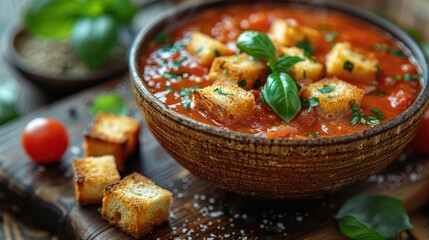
point(45, 194)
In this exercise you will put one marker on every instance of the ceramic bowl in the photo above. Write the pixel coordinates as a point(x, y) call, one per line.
point(275, 168)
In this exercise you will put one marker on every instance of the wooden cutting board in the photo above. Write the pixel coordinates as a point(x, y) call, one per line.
point(46, 193)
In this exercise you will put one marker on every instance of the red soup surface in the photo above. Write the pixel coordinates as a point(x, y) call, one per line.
point(173, 73)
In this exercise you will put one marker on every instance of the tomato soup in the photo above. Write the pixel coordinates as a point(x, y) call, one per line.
point(173, 72)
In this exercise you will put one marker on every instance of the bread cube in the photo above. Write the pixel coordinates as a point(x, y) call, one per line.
point(346, 62)
point(336, 102)
point(206, 48)
point(225, 103)
point(92, 175)
point(309, 68)
point(288, 32)
point(135, 205)
point(239, 70)
point(112, 135)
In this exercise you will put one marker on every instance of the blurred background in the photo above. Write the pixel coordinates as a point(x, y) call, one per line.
point(20, 95)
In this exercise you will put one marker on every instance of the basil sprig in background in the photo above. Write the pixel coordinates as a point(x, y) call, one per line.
point(375, 217)
point(280, 90)
point(91, 25)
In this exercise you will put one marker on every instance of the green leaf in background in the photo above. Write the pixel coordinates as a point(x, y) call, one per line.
point(368, 216)
point(123, 10)
point(285, 63)
point(93, 38)
point(110, 103)
point(52, 18)
point(257, 45)
point(281, 93)
point(8, 94)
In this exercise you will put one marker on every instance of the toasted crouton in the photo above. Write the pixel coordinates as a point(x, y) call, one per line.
point(287, 32)
point(225, 103)
point(112, 135)
point(344, 61)
point(206, 48)
point(135, 205)
point(92, 175)
point(239, 70)
point(309, 68)
point(337, 101)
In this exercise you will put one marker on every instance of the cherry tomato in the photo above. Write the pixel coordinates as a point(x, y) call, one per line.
point(45, 140)
point(420, 141)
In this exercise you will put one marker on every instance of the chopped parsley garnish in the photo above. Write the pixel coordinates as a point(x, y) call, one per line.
point(306, 46)
point(378, 70)
point(225, 71)
point(329, 97)
point(242, 83)
point(199, 50)
point(168, 88)
point(217, 53)
point(313, 135)
point(219, 90)
point(394, 51)
point(187, 91)
point(365, 119)
point(348, 66)
point(326, 89)
point(310, 103)
point(170, 75)
point(409, 76)
point(257, 84)
point(186, 102)
point(163, 38)
point(172, 48)
point(330, 37)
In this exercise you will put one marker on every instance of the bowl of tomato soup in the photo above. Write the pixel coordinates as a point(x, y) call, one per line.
point(279, 99)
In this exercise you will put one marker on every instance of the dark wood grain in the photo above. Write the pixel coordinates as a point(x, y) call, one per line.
point(46, 194)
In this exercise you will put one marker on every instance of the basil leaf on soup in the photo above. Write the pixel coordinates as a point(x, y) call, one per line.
point(52, 18)
point(110, 103)
point(368, 216)
point(93, 38)
point(285, 63)
point(281, 94)
point(256, 44)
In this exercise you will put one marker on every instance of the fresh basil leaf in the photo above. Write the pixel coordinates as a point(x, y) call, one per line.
point(110, 103)
point(368, 216)
point(285, 63)
point(123, 10)
point(281, 94)
point(93, 38)
point(256, 44)
point(52, 18)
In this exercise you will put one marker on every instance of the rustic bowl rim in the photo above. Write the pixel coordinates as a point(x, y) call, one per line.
point(398, 34)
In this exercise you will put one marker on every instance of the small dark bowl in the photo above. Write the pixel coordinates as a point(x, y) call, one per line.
point(61, 83)
point(275, 168)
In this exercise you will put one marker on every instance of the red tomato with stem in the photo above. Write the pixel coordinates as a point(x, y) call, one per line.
point(420, 143)
point(45, 140)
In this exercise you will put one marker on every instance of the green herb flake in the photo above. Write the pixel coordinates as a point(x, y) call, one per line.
point(329, 97)
point(187, 91)
point(186, 102)
point(378, 113)
point(331, 36)
point(168, 88)
point(394, 51)
point(378, 70)
point(355, 107)
point(397, 77)
point(313, 135)
point(305, 45)
point(312, 102)
point(397, 52)
point(225, 71)
point(217, 53)
point(354, 120)
point(199, 50)
point(242, 83)
point(409, 76)
point(380, 47)
point(257, 84)
point(163, 38)
point(356, 218)
point(219, 91)
point(170, 75)
point(348, 66)
point(326, 89)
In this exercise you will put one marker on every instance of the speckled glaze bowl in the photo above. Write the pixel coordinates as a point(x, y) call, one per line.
point(275, 168)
